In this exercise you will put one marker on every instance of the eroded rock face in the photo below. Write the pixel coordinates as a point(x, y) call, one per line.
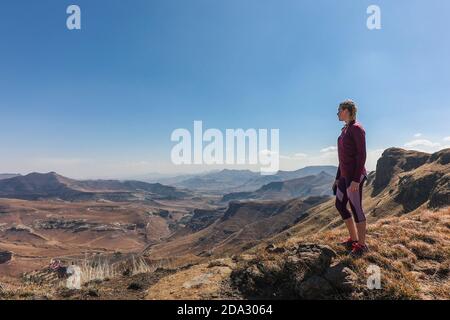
point(304, 271)
point(422, 177)
point(5, 256)
point(442, 157)
point(414, 191)
point(394, 160)
point(440, 196)
point(202, 218)
point(82, 225)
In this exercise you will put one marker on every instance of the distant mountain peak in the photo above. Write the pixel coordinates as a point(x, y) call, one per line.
point(37, 185)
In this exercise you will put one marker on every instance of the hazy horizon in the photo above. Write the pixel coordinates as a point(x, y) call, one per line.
point(199, 171)
point(103, 101)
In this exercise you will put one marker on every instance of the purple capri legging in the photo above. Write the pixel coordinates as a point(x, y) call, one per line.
point(343, 196)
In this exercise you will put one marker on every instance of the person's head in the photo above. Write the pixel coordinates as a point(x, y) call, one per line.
point(347, 111)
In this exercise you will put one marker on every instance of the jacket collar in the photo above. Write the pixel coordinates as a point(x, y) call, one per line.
point(352, 122)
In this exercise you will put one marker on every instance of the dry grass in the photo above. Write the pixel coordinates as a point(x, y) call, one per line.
point(92, 270)
point(97, 270)
point(413, 252)
point(24, 291)
point(101, 269)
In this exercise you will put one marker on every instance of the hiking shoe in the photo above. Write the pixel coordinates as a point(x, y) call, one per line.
point(358, 250)
point(348, 244)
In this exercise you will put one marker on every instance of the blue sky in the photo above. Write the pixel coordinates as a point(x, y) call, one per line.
point(103, 101)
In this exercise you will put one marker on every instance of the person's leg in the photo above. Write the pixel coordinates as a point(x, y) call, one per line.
point(361, 227)
point(341, 206)
point(351, 228)
point(355, 199)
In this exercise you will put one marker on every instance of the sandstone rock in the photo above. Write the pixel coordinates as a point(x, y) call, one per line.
point(393, 160)
point(274, 249)
point(414, 191)
point(315, 287)
point(302, 271)
point(440, 196)
point(341, 277)
point(5, 256)
point(441, 157)
point(225, 262)
point(198, 281)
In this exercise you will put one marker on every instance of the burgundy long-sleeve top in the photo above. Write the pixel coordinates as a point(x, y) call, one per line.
point(352, 152)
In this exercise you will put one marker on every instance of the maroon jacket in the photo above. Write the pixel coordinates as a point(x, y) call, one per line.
point(352, 152)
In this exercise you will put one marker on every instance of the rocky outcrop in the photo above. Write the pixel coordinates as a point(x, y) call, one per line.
point(414, 178)
point(413, 191)
point(202, 218)
point(5, 256)
point(440, 196)
point(82, 225)
point(304, 271)
point(394, 160)
point(441, 157)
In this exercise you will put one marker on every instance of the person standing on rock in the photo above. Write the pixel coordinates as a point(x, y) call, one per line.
point(350, 177)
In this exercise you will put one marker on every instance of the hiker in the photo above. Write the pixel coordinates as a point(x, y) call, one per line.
point(350, 177)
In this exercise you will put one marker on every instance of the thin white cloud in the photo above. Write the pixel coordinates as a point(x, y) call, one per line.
point(425, 145)
point(417, 135)
point(300, 155)
point(329, 149)
point(422, 143)
point(447, 139)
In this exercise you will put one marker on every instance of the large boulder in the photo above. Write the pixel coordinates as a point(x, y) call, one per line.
point(303, 271)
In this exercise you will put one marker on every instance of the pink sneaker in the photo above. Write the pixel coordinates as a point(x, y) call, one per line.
point(358, 250)
point(348, 244)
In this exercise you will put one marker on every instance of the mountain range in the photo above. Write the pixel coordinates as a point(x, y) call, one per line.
point(227, 181)
point(312, 185)
point(52, 185)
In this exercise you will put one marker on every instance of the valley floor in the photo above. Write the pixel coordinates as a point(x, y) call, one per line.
point(411, 250)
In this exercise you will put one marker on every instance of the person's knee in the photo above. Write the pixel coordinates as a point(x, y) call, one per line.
point(345, 214)
point(360, 218)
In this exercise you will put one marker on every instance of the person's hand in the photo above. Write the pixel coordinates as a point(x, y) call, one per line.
point(354, 186)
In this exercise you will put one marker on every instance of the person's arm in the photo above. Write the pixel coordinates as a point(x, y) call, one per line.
point(338, 173)
point(359, 137)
